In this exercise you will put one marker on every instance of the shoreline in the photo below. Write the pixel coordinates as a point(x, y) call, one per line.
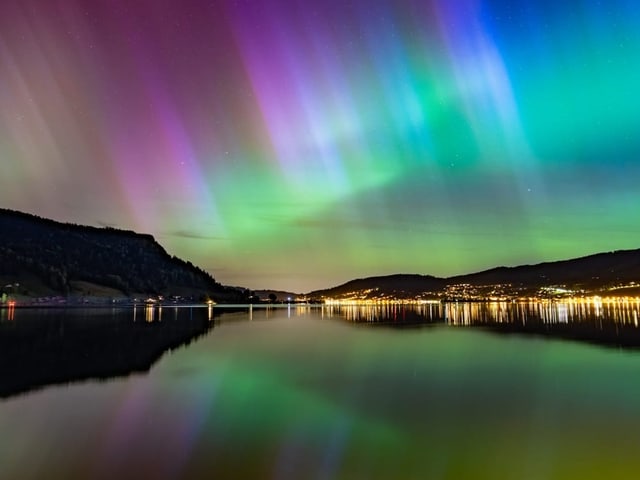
point(97, 302)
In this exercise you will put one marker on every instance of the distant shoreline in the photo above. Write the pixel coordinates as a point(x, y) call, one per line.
point(339, 303)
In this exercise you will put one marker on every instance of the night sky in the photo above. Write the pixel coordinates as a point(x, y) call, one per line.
point(300, 144)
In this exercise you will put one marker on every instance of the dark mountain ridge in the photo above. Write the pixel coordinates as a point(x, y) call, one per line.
point(46, 256)
point(595, 272)
point(396, 283)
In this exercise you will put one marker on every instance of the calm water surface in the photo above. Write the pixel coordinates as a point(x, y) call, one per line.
point(458, 391)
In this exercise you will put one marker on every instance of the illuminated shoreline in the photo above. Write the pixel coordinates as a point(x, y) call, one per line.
point(574, 300)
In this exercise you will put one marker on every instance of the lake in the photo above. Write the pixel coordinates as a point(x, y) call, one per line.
point(453, 391)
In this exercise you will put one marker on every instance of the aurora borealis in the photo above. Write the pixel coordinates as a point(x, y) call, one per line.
point(297, 144)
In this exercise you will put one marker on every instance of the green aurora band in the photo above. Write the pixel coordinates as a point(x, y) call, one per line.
point(286, 146)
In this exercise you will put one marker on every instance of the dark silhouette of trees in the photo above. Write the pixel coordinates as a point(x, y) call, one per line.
point(59, 253)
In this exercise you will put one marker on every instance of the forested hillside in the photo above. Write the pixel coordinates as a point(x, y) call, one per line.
point(59, 254)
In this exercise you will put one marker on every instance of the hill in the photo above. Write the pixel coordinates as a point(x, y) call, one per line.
point(600, 270)
point(599, 273)
point(396, 286)
point(44, 257)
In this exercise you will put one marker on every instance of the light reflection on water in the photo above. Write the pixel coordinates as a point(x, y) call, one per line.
point(298, 392)
point(612, 323)
point(472, 313)
point(618, 312)
point(7, 314)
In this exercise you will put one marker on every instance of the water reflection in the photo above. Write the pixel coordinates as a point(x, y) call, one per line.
point(613, 323)
point(389, 314)
point(7, 314)
point(44, 347)
point(294, 394)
